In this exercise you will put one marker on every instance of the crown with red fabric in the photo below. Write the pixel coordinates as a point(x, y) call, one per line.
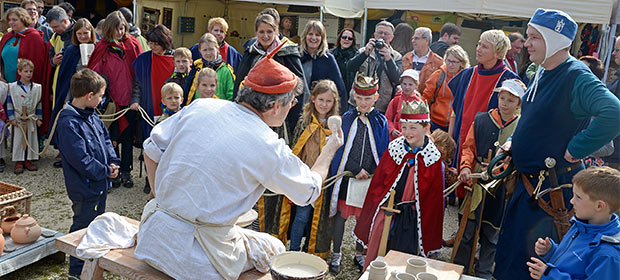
point(414, 111)
point(270, 77)
point(365, 85)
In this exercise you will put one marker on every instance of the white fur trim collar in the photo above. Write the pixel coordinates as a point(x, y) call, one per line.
point(430, 153)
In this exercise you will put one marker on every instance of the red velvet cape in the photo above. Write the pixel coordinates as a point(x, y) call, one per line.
point(430, 188)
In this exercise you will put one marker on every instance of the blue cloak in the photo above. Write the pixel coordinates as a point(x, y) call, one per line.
point(68, 65)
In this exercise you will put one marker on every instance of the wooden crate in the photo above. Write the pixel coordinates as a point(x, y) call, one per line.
point(18, 197)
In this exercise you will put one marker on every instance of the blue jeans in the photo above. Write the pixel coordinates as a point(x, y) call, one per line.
point(302, 216)
point(84, 212)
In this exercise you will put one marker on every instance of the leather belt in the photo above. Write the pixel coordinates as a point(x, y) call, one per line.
point(558, 171)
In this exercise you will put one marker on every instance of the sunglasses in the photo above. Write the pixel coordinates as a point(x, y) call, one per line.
point(347, 38)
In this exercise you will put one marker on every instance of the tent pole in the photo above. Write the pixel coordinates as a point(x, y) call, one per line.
point(364, 26)
point(135, 11)
point(609, 50)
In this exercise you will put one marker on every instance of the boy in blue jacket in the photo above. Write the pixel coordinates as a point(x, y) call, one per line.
point(89, 161)
point(591, 247)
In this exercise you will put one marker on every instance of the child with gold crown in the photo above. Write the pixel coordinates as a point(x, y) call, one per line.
point(412, 167)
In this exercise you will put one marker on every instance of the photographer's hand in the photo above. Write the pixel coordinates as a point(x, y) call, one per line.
point(370, 46)
point(386, 53)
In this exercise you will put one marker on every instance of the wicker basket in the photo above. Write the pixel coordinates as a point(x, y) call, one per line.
point(18, 197)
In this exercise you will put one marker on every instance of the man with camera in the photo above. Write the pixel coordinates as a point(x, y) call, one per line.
point(378, 58)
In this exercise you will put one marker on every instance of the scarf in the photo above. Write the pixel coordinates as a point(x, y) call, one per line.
point(308, 132)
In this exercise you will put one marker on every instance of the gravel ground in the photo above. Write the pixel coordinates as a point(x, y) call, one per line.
point(52, 209)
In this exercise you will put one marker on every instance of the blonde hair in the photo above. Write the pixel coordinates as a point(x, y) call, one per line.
point(217, 20)
point(445, 144)
point(459, 53)
point(207, 73)
point(23, 63)
point(499, 40)
point(21, 14)
point(111, 23)
point(266, 19)
point(316, 26)
point(600, 183)
point(170, 88)
point(208, 38)
point(320, 87)
point(182, 52)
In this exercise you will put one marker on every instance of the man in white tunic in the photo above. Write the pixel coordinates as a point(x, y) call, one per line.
point(210, 163)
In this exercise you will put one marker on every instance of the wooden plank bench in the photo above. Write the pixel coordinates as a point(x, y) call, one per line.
point(122, 261)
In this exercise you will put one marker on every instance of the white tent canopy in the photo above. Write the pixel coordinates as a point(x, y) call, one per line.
point(593, 11)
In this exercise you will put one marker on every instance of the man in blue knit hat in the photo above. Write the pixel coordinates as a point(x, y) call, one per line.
point(555, 132)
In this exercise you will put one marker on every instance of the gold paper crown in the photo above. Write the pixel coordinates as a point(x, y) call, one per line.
point(365, 85)
point(414, 111)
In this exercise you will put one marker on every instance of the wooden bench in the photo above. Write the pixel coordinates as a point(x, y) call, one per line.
point(122, 261)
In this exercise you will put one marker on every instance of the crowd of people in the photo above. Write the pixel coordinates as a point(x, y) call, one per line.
point(416, 119)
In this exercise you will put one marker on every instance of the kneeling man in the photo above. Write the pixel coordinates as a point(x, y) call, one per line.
point(210, 163)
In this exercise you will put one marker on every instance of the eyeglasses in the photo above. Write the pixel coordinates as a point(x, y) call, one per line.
point(347, 38)
point(450, 61)
point(294, 102)
point(383, 33)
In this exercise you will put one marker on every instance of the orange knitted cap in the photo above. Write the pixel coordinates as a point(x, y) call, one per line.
point(270, 77)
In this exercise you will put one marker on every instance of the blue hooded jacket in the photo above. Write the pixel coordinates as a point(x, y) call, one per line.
point(586, 252)
point(86, 151)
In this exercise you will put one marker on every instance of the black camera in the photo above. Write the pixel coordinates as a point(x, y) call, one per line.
point(379, 44)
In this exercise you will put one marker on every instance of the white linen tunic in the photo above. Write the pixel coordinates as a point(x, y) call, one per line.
point(215, 160)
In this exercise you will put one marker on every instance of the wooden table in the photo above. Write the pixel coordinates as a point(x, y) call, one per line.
point(397, 261)
point(17, 256)
point(122, 261)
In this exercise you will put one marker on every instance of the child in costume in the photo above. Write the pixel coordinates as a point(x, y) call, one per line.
point(207, 83)
point(211, 58)
point(412, 167)
point(23, 106)
point(409, 91)
point(171, 99)
point(310, 135)
point(593, 249)
point(488, 128)
point(88, 159)
point(366, 137)
point(182, 63)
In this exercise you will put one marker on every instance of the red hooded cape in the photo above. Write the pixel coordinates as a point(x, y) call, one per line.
point(33, 48)
point(430, 191)
point(120, 85)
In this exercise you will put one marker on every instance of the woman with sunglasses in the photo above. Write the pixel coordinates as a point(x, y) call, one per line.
point(345, 50)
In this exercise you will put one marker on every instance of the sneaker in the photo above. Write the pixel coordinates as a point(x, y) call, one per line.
point(116, 182)
point(2, 165)
point(30, 166)
point(359, 262)
point(334, 265)
point(19, 167)
point(126, 180)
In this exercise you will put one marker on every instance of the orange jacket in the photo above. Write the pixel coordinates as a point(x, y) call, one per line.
point(439, 99)
point(432, 64)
